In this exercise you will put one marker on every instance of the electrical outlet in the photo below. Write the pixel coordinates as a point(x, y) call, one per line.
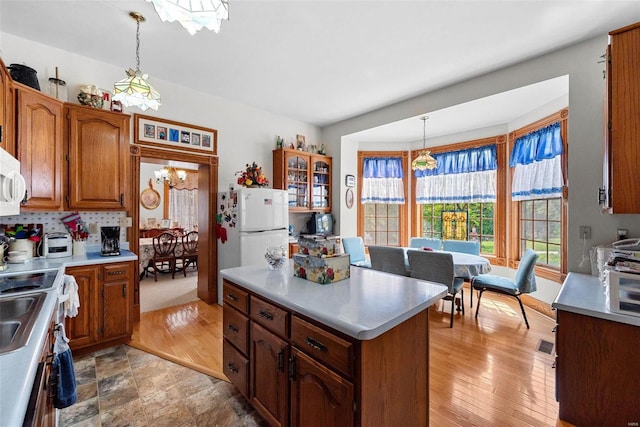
point(125, 221)
point(585, 232)
point(93, 228)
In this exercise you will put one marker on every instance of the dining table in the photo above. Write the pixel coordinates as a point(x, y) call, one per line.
point(464, 265)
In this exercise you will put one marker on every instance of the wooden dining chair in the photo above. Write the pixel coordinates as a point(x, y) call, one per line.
point(437, 267)
point(164, 251)
point(189, 250)
point(389, 259)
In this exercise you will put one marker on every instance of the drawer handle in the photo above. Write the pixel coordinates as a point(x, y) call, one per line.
point(266, 315)
point(115, 273)
point(232, 368)
point(233, 328)
point(316, 344)
point(232, 297)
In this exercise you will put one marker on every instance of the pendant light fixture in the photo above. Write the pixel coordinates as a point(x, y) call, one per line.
point(424, 159)
point(193, 14)
point(135, 91)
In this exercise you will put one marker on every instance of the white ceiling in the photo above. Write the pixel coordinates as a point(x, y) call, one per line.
point(323, 61)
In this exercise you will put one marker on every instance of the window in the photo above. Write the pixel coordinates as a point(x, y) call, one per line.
point(539, 194)
point(382, 223)
point(480, 222)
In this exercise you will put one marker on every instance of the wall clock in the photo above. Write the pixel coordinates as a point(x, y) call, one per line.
point(150, 198)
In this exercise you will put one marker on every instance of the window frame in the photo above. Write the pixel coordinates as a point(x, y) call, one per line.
point(500, 225)
point(544, 271)
point(403, 215)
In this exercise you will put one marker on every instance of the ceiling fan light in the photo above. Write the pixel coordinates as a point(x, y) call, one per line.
point(193, 15)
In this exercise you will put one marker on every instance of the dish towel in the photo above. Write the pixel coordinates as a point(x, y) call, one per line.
point(63, 371)
point(73, 300)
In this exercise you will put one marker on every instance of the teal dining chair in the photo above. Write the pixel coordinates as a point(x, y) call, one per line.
point(437, 267)
point(425, 242)
point(465, 246)
point(354, 246)
point(524, 283)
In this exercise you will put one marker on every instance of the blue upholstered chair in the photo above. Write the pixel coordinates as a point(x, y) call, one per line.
point(437, 267)
point(354, 246)
point(425, 242)
point(464, 246)
point(390, 259)
point(524, 283)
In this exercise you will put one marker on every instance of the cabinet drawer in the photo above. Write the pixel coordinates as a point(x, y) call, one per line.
point(235, 297)
point(271, 317)
point(115, 272)
point(334, 351)
point(236, 328)
point(236, 368)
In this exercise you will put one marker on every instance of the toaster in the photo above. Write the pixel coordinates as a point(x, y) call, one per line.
point(57, 245)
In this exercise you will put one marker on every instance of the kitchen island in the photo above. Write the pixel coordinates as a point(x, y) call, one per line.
point(354, 352)
point(597, 361)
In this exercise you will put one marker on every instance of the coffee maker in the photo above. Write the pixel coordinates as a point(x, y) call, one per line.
point(110, 241)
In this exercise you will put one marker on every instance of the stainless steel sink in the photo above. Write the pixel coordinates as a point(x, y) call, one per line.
point(17, 317)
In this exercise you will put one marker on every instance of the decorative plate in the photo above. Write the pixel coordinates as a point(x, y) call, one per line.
point(150, 198)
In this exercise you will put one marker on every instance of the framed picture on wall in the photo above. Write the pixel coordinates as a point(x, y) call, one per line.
point(350, 181)
point(171, 134)
point(165, 223)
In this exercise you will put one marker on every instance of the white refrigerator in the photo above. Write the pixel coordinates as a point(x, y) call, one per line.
point(252, 219)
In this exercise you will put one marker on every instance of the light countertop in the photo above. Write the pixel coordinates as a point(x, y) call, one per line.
point(364, 306)
point(584, 294)
point(18, 367)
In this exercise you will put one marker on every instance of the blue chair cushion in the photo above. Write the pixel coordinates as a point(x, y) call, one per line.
point(495, 283)
point(364, 263)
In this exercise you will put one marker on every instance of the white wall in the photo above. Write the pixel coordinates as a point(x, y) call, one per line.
point(245, 133)
point(586, 94)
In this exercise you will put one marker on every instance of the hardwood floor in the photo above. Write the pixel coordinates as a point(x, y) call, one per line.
point(487, 372)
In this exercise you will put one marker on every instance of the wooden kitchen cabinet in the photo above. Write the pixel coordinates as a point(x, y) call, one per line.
point(300, 374)
point(40, 147)
point(98, 158)
point(622, 135)
point(7, 108)
point(597, 367)
point(306, 177)
point(104, 314)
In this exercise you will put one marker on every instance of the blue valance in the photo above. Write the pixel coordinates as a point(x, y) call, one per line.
point(543, 144)
point(382, 180)
point(383, 167)
point(476, 159)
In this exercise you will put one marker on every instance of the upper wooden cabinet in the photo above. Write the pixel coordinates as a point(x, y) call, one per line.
point(306, 177)
point(40, 147)
point(622, 151)
point(98, 158)
point(7, 141)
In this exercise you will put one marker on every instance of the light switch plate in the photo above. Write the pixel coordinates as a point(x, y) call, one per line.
point(125, 221)
point(585, 232)
point(93, 228)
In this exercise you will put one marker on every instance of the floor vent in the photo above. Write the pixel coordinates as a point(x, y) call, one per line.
point(545, 346)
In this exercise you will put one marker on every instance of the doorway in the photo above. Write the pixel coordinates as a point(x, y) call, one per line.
point(207, 167)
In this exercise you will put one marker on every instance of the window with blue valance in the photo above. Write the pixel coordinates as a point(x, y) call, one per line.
point(463, 176)
point(382, 180)
point(537, 159)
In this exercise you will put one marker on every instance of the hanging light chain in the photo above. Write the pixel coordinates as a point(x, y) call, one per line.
point(138, 45)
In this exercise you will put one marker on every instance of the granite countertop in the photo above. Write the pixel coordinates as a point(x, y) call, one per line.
point(585, 294)
point(18, 367)
point(364, 306)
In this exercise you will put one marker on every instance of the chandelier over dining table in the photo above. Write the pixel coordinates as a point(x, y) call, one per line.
point(170, 176)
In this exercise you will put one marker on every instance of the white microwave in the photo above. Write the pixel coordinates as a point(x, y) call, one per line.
point(12, 185)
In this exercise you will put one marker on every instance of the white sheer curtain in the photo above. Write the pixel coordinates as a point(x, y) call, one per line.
point(464, 176)
point(183, 202)
point(537, 159)
point(382, 181)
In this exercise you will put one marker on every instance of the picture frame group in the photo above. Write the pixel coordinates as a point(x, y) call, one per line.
point(171, 134)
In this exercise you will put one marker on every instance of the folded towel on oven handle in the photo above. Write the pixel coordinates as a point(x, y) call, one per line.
point(64, 378)
point(72, 300)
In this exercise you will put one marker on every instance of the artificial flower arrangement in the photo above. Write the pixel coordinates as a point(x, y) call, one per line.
point(252, 176)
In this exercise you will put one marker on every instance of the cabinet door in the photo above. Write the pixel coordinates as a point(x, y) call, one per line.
point(40, 148)
point(269, 388)
point(297, 180)
point(82, 330)
point(98, 158)
point(116, 319)
point(319, 396)
point(321, 185)
point(6, 111)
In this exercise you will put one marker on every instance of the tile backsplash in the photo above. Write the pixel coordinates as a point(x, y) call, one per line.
point(51, 221)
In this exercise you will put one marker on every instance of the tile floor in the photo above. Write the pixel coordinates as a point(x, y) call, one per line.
point(123, 386)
